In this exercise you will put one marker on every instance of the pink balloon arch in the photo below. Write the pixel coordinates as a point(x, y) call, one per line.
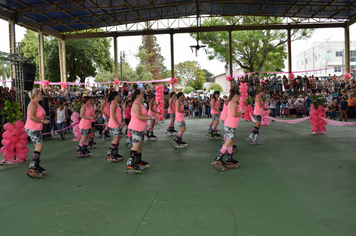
point(160, 99)
point(76, 131)
point(14, 140)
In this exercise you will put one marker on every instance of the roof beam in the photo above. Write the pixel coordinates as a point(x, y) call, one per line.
point(18, 18)
point(203, 29)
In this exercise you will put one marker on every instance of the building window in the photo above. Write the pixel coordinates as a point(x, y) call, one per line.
point(306, 61)
point(337, 69)
point(352, 55)
point(353, 67)
point(338, 53)
point(302, 63)
point(316, 57)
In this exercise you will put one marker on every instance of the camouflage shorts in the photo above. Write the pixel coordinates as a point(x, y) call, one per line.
point(116, 132)
point(85, 131)
point(172, 115)
point(35, 135)
point(106, 119)
point(230, 132)
point(215, 116)
point(258, 118)
point(137, 136)
point(181, 123)
point(153, 120)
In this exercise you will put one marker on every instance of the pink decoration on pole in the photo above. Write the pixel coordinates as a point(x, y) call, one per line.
point(347, 75)
point(63, 85)
point(291, 76)
point(173, 80)
point(45, 83)
point(229, 78)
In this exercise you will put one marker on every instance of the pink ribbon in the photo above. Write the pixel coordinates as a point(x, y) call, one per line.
point(109, 82)
point(275, 72)
point(6, 81)
point(3, 149)
point(61, 129)
point(296, 121)
point(338, 123)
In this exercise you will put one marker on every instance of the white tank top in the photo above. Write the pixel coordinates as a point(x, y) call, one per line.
point(61, 115)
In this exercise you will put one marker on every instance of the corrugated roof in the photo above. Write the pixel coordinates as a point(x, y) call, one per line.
point(67, 16)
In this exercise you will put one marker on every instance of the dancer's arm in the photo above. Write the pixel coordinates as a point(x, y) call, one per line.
point(170, 104)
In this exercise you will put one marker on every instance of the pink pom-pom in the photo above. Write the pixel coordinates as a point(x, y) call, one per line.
point(45, 83)
point(291, 76)
point(229, 78)
point(347, 75)
point(116, 81)
point(63, 85)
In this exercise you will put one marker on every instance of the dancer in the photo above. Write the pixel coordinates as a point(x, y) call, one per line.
point(223, 118)
point(231, 123)
point(172, 114)
point(92, 144)
point(33, 128)
point(215, 106)
point(152, 112)
point(254, 137)
point(177, 142)
point(105, 110)
point(114, 124)
point(127, 112)
point(137, 128)
point(85, 124)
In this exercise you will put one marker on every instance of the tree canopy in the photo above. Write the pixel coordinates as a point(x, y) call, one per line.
point(252, 50)
point(216, 87)
point(189, 73)
point(83, 56)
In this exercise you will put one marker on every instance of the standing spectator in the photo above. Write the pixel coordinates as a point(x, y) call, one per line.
point(273, 107)
point(351, 107)
point(61, 117)
point(343, 109)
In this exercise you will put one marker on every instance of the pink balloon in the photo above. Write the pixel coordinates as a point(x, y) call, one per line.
point(17, 132)
point(9, 127)
point(314, 128)
point(323, 129)
point(5, 141)
point(24, 150)
point(9, 155)
point(19, 124)
point(21, 155)
point(15, 139)
point(23, 136)
point(20, 145)
point(7, 135)
point(24, 141)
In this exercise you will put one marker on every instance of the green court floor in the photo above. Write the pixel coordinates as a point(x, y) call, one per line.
point(295, 184)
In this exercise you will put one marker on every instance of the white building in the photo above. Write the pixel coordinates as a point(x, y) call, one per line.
point(328, 55)
point(221, 79)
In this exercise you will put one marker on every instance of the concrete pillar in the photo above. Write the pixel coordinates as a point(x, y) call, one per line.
point(230, 60)
point(347, 49)
point(115, 58)
point(41, 56)
point(12, 46)
point(172, 59)
point(62, 60)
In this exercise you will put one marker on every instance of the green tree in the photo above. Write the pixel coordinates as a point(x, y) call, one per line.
point(83, 56)
point(208, 75)
point(151, 60)
point(4, 70)
point(216, 87)
point(189, 73)
point(188, 90)
point(252, 50)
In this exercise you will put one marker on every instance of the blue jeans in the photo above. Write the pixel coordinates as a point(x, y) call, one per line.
point(52, 124)
point(278, 108)
point(62, 126)
point(208, 112)
point(332, 114)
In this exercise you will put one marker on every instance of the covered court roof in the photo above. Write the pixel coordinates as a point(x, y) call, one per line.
point(62, 17)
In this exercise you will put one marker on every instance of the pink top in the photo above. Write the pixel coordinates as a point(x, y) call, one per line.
point(258, 111)
point(40, 114)
point(231, 121)
point(137, 124)
point(91, 108)
point(174, 107)
point(154, 108)
point(128, 112)
point(106, 110)
point(86, 123)
point(179, 115)
point(223, 113)
point(112, 123)
point(217, 106)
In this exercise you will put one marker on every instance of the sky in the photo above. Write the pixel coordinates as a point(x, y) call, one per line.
point(182, 51)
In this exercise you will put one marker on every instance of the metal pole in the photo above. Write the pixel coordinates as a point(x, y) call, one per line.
point(121, 65)
point(115, 58)
point(289, 57)
point(230, 59)
point(172, 60)
point(12, 46)
point(41, 56)
point(347, 49)
point(62, 60)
